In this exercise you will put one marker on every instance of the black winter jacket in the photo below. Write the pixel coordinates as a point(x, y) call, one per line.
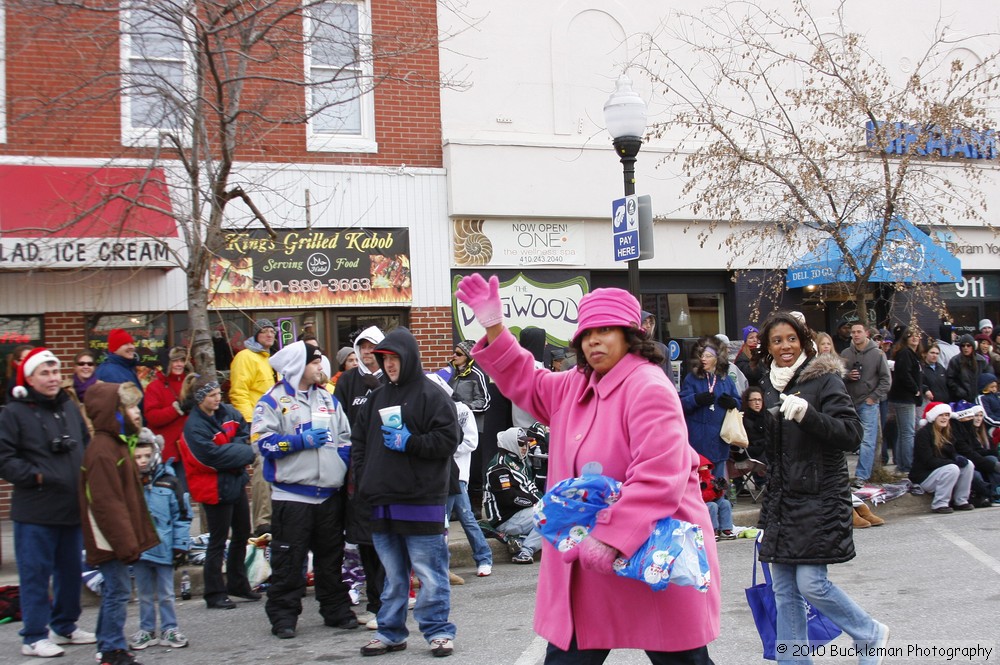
point(926, 458)
point(216, 450)
point(419, 475)
point(807, 513)
point(934, 380)
point(906, 378)
point(963, 377)
point(27, 428)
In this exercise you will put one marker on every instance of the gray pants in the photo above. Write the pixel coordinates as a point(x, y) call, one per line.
point(949, 485)
point(522, 523)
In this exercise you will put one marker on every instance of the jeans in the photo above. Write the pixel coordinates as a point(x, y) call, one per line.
point(575, 656)
point(721, 512)
point(905, 414)
point(427, 556)
point(868, 413)
point(481, 552)
point(522, 523)
point(114, 606)
point(155, 584)
point(792, 583)
point(46, 553)
point(221, 517)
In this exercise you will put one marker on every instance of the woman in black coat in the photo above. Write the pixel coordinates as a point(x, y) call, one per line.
point(934, 382)
point(964, 370)
point(905, 394)
point(807, 513)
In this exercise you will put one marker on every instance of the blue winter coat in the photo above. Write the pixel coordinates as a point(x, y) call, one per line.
point(115, 369)
point(170, 509)
point(704, 423)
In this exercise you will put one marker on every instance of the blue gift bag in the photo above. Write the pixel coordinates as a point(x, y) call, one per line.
point(674, 554)
point(760, 597)
point(567, 512)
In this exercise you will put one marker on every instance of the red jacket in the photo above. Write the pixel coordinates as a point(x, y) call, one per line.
point(160, 414)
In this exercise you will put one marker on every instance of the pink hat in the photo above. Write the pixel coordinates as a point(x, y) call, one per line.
point(607, 307)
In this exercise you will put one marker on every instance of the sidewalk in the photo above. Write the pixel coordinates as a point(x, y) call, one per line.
point(745, 513)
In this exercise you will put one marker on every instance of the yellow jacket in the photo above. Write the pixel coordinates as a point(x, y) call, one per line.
point(250, 376)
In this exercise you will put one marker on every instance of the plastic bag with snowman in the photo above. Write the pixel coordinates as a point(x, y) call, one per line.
point(674, 553)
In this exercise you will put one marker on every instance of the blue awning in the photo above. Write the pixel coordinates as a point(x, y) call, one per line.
point(908, 255)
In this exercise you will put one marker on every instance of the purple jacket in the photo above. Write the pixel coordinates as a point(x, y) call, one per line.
point(630, 422)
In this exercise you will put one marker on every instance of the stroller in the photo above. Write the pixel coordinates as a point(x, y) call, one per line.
point(538, 453)
point(747, 475)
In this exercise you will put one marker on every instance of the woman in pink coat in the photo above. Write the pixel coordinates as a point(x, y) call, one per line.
point(619, 415)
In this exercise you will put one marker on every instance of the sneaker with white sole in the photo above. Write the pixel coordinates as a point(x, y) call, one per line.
point(43, 648)
point(174, 638)
point(142, 639)
point(372, 625)
point(525, 556)
point(365, 617)
point(442, 646)
point(76, 637)
point(484, 570)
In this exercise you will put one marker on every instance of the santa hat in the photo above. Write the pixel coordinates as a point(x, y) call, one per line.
point(961, 410)
point(933, 410)
point(35, 359)
point(118, 338)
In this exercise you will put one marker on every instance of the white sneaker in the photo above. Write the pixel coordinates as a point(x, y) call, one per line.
point(484, 570)
point(76, 637)
point(43, 648)
point(372, 625)
point(365, 617)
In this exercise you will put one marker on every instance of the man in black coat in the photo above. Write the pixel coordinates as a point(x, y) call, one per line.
point(402, 448)
point(42, 438)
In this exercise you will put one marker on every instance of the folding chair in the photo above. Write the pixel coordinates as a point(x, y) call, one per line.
point(746, 473)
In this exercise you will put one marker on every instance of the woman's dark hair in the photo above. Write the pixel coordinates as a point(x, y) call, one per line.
point(900, 343)
point(805, 335)
point(12, 358)
point(745, 397)
point(638, 342)
point(86, 353)
point(721, 355)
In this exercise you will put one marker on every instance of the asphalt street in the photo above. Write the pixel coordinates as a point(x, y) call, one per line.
point(933, 579)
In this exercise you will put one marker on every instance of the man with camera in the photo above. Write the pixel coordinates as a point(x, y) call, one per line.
point(42, 437)
point(867, 382)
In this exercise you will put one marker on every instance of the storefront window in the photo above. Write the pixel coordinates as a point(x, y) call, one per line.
point(682, 315)
point(150, 332)
point(15, 331)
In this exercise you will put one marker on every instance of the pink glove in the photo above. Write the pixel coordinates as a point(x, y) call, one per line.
point(482, 297)
point(596, 556)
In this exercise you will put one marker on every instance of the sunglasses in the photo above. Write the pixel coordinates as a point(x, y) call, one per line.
point(460, 354)
point(85, 364)
point(967, 344)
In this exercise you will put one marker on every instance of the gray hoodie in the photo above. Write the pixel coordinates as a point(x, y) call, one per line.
point(875, 378)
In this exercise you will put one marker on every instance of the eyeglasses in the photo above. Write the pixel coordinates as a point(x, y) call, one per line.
point(85, 364)
point(967, 344)
point(459, 354)
point(754, 399)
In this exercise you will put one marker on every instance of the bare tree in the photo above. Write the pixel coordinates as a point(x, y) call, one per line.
point(205, 83)
point(793, 132)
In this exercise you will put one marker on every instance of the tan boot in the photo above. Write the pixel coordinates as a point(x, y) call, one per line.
point(860, 522)
point(455, 579)
point(866, 513)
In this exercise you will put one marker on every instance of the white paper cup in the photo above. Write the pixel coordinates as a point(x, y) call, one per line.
point(320, 420)
point(392, 416)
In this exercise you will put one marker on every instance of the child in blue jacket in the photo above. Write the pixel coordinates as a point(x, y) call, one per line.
point(170, 510)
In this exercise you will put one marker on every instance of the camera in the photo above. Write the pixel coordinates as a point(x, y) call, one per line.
point(62, 444)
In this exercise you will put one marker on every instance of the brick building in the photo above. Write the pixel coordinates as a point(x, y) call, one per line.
point(94, 199)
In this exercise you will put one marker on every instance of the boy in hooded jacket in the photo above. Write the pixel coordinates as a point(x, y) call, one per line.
point(304, 438)
point(402, 468)
point(116, 524)
point(511, 494)
point(170, 511)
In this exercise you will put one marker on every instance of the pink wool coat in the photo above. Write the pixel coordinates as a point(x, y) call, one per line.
point(629, 421)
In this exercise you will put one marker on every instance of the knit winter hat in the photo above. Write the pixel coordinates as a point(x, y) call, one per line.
point(466, 347)
point(933, 410)
point(961, 410)
point(607, 307)
point(118, 338)
point(983, 337)
point(342, 355)
point(985, 379)
point(35, 359)
point(129, 394)
point(746, 332)
point(985, 323)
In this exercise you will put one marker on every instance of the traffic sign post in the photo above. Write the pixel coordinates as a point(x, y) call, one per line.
point(632, 228)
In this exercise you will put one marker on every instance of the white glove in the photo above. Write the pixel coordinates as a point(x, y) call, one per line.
point(793, 407)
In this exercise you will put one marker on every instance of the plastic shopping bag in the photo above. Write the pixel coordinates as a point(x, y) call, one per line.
point(567, 512)
point(674, 554)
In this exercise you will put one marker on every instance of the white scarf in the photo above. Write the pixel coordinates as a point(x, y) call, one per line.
point(780, 376)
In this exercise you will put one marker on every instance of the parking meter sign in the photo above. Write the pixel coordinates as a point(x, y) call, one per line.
point(625, 228)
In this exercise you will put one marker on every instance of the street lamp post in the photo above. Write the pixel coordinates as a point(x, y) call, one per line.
point(625, 118)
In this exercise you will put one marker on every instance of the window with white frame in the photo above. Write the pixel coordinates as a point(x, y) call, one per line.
point(338, 71)
point(156, 77)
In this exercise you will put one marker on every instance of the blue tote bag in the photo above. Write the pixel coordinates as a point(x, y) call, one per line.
point(760, 597)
